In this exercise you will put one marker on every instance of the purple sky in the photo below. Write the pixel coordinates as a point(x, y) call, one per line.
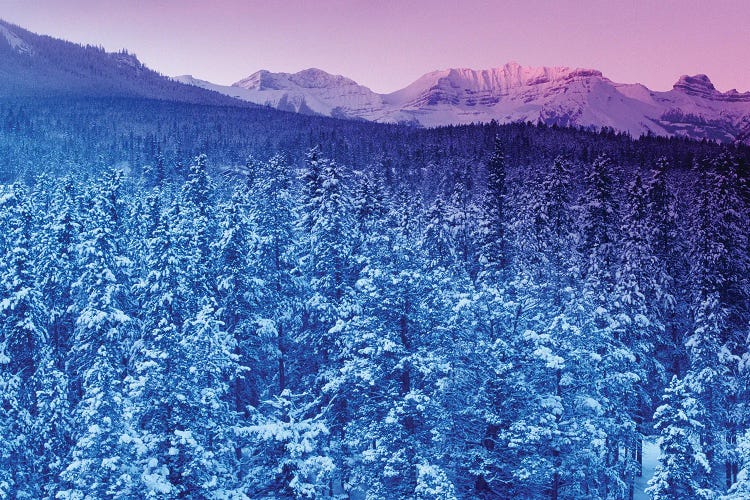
point(386, 44)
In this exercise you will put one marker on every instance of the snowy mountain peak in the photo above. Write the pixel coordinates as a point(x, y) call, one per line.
point(499, 80)
point(513, 75)
point(254, 81)
point(312, 78)
point(517, 75)
point(191, 80)
point(311, 91)
point(699, 84)
point(477, 90)
point(317, 78)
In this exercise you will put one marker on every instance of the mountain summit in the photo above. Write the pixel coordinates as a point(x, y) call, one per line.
point(560, 96)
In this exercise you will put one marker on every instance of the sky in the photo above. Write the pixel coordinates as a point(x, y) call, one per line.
point(387, 44)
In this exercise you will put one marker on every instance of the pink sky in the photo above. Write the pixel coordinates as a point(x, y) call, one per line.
point(387, 44)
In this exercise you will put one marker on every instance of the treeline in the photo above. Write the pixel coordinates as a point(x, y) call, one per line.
point(64, 135)
point(489, 331)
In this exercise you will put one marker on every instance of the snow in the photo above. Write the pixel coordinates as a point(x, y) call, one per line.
point(311, 91)
point(16, 42)
point(650, 461)
point(462, 303)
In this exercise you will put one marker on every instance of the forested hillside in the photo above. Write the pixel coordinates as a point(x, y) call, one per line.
point(38, 66)
point(466, 312)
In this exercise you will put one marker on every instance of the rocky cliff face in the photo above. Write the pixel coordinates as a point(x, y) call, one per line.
point(701, 86)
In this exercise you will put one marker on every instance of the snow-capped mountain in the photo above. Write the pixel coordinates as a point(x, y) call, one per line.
point(551, 95)
point(312, 91)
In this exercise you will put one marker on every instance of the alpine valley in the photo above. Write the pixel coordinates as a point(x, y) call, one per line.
point(35, 65)
point(523, 283)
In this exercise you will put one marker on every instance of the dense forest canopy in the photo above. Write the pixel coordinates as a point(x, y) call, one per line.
point(213, 302)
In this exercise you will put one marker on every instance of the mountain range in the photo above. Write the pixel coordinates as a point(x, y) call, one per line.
point(34, 65)
point(551, 95)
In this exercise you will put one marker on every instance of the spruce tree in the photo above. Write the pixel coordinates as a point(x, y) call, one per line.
point(101, 341)
point(493, 222)
point(23, 353)
point(683, 470)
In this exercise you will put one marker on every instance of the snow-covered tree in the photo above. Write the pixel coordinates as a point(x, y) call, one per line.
point(97, 464)
point(683, 470)
point(494, 214)
point(741, 488)
point(237, 292)
point(291, 457)
point(279, 290)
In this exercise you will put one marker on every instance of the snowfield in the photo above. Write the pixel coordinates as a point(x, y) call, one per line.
point(650, 461)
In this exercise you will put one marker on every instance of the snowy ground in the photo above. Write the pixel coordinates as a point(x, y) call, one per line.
point(650, 459)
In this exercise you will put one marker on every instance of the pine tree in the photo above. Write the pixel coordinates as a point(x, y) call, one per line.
point(97, 465)
point(58, 269)
point(531, 329)
point(683, 470)
point(279, 300)
point(23, 332)
point(198, 222)
point(326, 226)
point(637, 295)
point(202, 450)
point(437, 239)
point(741, 489)
point(236, 291)
point(636, 280)
point(101, 290)
point(165, 308)
point(461, 213)
point(23, 352)
point(53, 421)
point(718, 278)
point(15, 426)
point(493, 222)
point(59, 230)
point(394, 356)
point(598, 212)
point(327, 262)
point(292, 459)
point(669, 301)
